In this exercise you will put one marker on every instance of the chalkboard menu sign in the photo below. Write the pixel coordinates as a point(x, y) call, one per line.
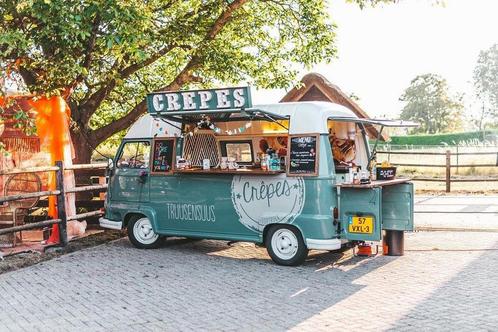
point(163, 153)
point(303, 155)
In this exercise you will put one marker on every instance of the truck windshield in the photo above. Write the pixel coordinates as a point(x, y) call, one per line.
point(134, 155)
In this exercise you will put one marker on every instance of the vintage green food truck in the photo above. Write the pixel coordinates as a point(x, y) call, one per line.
point(208, 164)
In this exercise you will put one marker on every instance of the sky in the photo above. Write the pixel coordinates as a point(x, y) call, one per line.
point(381, 49)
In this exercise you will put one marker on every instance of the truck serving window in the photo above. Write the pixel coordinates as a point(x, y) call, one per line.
point(134, 155)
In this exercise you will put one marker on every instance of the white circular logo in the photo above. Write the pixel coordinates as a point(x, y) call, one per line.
point(263, 200)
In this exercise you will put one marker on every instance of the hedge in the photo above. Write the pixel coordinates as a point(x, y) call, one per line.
point(441, 139)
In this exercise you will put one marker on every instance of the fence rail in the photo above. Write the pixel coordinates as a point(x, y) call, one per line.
point(29, 170)
point(37, 194)
point(447, 165)
point(60, 192)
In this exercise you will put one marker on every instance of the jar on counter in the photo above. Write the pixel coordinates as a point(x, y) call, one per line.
point(275, 163)
point(356, 178)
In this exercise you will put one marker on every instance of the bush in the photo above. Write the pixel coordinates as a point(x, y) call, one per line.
point(444, 139)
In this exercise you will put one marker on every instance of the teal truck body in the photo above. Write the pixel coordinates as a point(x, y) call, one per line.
point(289, 211)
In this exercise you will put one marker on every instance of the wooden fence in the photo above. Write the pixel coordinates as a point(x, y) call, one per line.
point(59, 192)
point(447, 165)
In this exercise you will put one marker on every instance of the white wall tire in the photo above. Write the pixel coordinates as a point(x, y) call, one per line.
point(285, 245)
point(141, 234)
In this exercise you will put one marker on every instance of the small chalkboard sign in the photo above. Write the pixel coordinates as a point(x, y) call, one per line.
point(163, 155)
point(303, 155)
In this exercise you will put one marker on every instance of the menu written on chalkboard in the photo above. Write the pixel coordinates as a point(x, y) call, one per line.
point(303, 155)
point(163, 155)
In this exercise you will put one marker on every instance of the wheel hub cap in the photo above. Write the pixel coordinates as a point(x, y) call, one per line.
point(143, 231)
point(284, 243)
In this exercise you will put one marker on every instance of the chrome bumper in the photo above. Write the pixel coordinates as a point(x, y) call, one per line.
point(328, 244)
point(111, 224)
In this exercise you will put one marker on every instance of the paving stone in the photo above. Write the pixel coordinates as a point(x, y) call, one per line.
point(210, 286)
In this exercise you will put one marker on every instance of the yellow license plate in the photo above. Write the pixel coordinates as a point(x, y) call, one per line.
point(363, 225)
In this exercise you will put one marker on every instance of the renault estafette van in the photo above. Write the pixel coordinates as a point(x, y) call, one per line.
point(208, 164)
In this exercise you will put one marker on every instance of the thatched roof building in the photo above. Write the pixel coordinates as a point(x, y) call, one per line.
point(315, 87)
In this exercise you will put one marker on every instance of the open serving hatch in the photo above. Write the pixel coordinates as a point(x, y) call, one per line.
point(365, 212)
point(378, 122)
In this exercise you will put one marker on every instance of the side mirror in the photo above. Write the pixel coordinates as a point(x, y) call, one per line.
point(110, 167)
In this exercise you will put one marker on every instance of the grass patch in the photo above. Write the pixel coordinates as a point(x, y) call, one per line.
point(464, 139)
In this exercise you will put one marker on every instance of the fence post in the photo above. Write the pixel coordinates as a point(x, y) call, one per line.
point(448, 171)
point(61, 203)
point(457, 158)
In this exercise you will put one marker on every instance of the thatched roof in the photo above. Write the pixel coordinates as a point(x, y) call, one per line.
point(315, 87)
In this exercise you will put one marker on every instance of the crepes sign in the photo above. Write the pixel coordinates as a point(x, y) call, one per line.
point(198, 100)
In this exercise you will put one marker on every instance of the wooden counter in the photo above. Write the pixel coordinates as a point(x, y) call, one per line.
point(374, 184)
point(245, 171)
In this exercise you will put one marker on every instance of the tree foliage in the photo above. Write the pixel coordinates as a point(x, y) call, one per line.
point(105, 55)
point(486, 84)
point(428, 101)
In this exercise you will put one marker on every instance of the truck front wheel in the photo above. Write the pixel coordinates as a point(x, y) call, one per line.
point(141, 234)
point(285, 245)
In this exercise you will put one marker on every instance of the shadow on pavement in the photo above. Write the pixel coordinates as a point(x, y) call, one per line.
point(468, 301)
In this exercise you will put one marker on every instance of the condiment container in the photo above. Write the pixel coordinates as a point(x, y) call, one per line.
point(206, 164)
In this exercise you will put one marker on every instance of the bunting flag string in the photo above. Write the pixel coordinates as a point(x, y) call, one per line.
point(206, 123)
point(239, 130)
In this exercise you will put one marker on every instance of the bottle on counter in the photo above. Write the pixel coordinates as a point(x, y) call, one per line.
point(275, 163)
point(373, 172)
point(373, 169)
point(351, 172)
point(356, 176)
point(283, 162)
point(356, 180)
point(269, 156)
point(264, 162)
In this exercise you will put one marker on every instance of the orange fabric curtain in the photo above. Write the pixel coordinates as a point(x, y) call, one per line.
point(52, 125)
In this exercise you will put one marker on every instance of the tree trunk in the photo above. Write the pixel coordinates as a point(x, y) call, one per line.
point(83, 147)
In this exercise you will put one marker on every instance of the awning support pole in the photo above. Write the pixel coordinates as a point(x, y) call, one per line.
point(172, 125)
point(275, 121)
point(373, 155)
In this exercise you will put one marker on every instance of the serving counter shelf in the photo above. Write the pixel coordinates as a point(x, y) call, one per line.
point(248, 171)
point(374, 184)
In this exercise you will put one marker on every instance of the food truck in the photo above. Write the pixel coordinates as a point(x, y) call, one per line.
point(289, 176)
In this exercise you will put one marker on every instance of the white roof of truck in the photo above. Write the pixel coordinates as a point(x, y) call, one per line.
point(305, 118)
point(308, 116)
point(148, 127)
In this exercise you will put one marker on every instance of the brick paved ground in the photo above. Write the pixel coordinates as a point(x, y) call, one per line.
point(477, 212)
point(206, 285)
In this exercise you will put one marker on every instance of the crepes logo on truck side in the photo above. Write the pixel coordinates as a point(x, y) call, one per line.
point(263, 200)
